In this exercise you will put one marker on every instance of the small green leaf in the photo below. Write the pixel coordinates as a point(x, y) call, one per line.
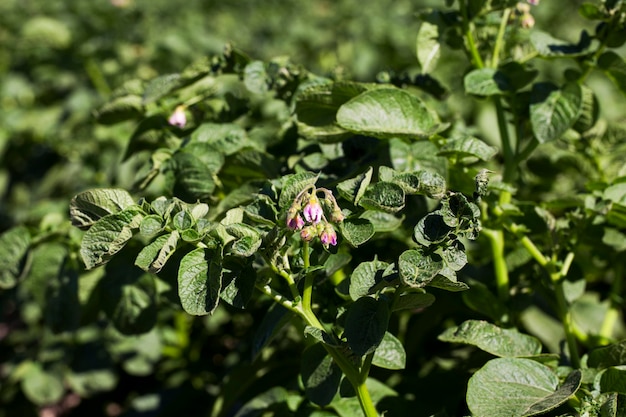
point(492, 339)
point(382, 222)
point(591, 11)
point(238, 285)
point(292, 186)
point(14, 244)
point(108, 235)
point(390, 354)
point(88, 207)
point(320, 375)
point(356, 231)
point(388, 113)
point(153, 257)
point(507, 387)
point(151, 225)
point(554, 110)
point(190, 177)
point(428, 48)
point(418, 269)
point(385, 196)
point(431, 229)
point(354, 188)
point(431, 184)
point(486, 82)
point(614, 67)
point(199, 282)
point(366, 324)
point(365, 277)
point(255, 77)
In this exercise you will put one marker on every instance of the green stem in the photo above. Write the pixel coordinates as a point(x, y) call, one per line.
point(557, 278)
point(615, 299)
point(307, 291)
point(500, 38)
point(471, 44)
point(496, 240)
point(510, 167)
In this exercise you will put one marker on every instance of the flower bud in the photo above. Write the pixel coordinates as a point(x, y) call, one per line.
point(294, 220)
point(308, 233)
point(178, 118)
point(328, 235)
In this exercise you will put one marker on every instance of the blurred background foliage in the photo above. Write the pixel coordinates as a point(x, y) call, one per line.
point(59, 61)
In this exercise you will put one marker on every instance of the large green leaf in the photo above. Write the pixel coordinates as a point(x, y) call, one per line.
point(553, 110)
point(366, 324)
point(388, 113)
point(14, 244)
point(89, 206)
point(611, 355)
point(108, 235)
point(356, 231)
point(492, 339)
point(320, 375)
point(199, 281)
point(507, 387)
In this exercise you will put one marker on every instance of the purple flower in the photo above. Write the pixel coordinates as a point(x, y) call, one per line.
point(178, 118)
point(328, 236)
point(533, 2)
point(295, 222)
point(313, 211)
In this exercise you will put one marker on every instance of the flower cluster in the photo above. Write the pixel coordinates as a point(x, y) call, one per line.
point(308, 214)
point(522, 11)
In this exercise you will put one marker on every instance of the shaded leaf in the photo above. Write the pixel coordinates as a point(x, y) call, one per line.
point(320, 375)
point(366, 324)
point(199, 281)
point(554, 110)
point(14, 244)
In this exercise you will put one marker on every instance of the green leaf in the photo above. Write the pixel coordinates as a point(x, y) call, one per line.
point(591, 11)
point(418, 269)
point(428, 47)
point(227, 138)
point(614, 67)
point(261, 403)
point(199, 281)
point(129, 299)
point(447, 280)
point(412, 301)
point(365, 277)
point(388, 113)
point(492, 339)
point(42, 387)
point(274, 320)
point(255, 77)
point(153, 257)
point(63, 309)
point(382, 222)
point(191, 178)
point(611, 355)
point(486, 82)
point(613, 380)
point(320, 375)
point(120, 109)
point(151, 225)
point(108, 235)
point(431, 229)
point(356, 231)
point(480, 299)
point(292, 186)
point(349, 407)
point(88, 207)
point(548, 46)
point(247, 241)
point(554, 110)
point(354, 188)
point(431, 184)
point(468, 146)
point(589, 110)
point(390, 354)
point(366, 324)
point(417, 157)
point(507, 387)
point(238, 285)
point(385, 196)
point(161, 86)
point(14, 244)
